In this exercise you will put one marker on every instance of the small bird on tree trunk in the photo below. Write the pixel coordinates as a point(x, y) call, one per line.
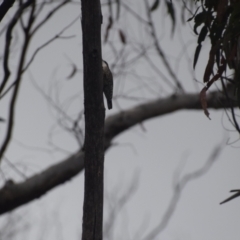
point(107, 83)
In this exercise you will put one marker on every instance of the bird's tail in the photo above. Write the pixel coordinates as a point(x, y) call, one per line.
point(109, 103)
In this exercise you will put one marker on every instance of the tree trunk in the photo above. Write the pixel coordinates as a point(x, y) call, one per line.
point(94, 120)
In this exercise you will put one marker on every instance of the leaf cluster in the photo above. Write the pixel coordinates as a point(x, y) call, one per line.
point(220, 21)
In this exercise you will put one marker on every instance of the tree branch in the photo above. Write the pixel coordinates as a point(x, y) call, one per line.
point(8, 39)
point(160, 50)
point(178, 189)
point(15, 195)
point(5, 6)
point(120, 122)
point(11, 114)
point(18, 194)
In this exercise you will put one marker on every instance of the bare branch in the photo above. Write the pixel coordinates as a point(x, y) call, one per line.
point(49, 15)
point(74, 128)
point(235, 195)
point(135, 14)
point(18, 80)
point(159, 49)
point(8, 42)
point(4, 7)
point(120, 122)
point(39, 184)
point(57, 36)
point(178, 189)
point(118, 204)
point(15, 168)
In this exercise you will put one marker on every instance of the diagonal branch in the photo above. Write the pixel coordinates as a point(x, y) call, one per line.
point(57, 36)
point(178, 189)
point(15, 195)
point(4, 7)
point(18, 194)
point(49, 15)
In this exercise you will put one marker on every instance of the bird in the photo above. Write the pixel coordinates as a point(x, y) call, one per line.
point(107, 83)
point(237, 194)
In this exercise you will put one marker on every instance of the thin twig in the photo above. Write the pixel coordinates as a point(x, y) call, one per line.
point(49, 15)
point(159, 49)
point(8, 43)
point(11, 113)
point(57, 36)
point(178, 189)
point(15, 168)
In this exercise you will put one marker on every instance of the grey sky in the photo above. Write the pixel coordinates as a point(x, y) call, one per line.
point(153, 151)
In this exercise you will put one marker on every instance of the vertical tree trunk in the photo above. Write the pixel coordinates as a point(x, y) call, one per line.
point(94, 120)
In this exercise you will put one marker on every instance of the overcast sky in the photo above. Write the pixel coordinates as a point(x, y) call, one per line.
point(150, 154)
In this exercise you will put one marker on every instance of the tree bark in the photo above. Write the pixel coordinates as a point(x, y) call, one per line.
point(94, 120)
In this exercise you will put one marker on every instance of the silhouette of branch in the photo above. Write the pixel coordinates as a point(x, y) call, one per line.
point(4, 7)
point(18, 79)
point(159, 49)
point(235, 195)
point(117, 204)
point(178, 189)
point(37, 185)
point(57, 36)
point(49, 15)
point(8, 39)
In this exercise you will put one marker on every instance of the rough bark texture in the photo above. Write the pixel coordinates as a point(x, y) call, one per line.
point(13, 194)
point(94, 120)
point(16, 194)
